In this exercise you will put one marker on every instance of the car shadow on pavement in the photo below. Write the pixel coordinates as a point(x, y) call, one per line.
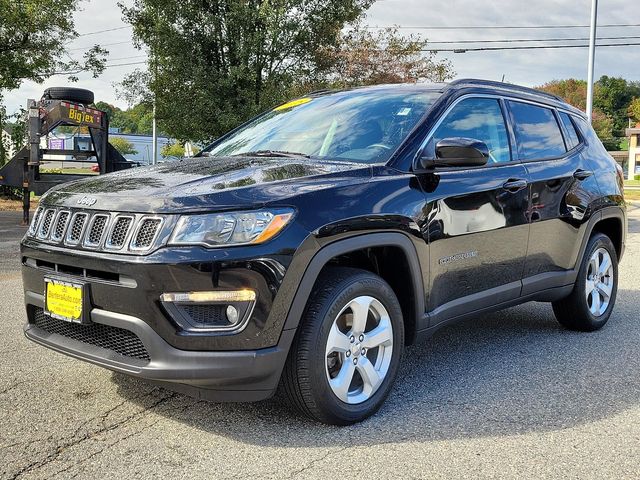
point(505, 373)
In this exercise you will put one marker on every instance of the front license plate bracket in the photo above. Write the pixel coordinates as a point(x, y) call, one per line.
point(66, 300)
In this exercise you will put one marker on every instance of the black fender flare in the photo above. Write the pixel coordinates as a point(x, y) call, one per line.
point(351, 244)
point(599, 215)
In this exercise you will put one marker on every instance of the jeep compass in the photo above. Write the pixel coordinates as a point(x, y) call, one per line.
point(304, 249)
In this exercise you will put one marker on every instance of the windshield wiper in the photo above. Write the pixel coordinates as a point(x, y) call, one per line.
point(272, 153)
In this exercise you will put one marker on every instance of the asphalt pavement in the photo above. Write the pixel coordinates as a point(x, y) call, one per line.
point(504, 395)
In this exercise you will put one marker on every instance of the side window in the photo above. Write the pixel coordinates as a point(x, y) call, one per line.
point(537, 132)
point(480, 119)
point(573, 140)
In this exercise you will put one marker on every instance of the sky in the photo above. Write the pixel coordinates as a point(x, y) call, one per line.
point(524, 67)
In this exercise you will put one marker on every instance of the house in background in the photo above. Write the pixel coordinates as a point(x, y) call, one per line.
point(7, 141)
point(634, 152)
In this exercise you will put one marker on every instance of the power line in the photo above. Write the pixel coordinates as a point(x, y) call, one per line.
point(527, 47)
point(517, 40)
point(103, 31)
point(102, 45)
point(498, 27)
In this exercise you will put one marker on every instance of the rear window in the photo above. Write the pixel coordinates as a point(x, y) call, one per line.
point(537, 132)
point(573, 140)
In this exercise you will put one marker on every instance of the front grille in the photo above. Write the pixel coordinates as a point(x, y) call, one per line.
point(45, 226)
point(146, 233)
point(34, 223)
point(119, 340)
point(61, 226)
point(98, 230)
point(77, 228)
point(119, 232)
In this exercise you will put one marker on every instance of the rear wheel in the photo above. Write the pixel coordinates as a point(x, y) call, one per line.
point(591, 302)
point(345, 358)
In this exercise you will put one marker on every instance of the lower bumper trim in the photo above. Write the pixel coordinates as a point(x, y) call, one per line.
point(218, 375)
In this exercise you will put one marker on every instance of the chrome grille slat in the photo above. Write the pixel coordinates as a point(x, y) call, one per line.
point(45, 225)
point(95, 231)
point(119, 231)
point(36, 219)
point(98, 230)
point(74, 234)
point(146, 233)
point(62, 218)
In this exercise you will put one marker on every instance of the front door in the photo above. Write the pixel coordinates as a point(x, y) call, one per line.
point(477, 223)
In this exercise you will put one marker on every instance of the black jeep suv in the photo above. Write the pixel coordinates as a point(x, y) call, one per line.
point(306, 248)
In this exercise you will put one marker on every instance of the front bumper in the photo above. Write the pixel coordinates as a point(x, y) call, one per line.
point(247, 375)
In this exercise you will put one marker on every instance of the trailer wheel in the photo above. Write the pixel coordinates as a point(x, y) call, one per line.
point(79, 95)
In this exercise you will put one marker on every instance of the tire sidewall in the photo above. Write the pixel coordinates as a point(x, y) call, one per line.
point(345, 292)
point(596, 242)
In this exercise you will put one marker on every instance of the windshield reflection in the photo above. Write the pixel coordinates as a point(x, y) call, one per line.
point(362, 126)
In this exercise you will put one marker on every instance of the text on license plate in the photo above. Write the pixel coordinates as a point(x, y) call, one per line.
point(63, 300)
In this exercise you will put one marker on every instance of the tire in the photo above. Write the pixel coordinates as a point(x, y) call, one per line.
point(580, 310)
point(79, 95)
point(310, 365)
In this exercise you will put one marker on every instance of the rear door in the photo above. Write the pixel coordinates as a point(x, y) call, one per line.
point(478, 228)
point(552, 150)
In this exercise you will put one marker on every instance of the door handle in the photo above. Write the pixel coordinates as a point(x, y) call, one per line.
point(514, 185)
point(582, 174)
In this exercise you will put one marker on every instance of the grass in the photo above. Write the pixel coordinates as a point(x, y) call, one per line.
point(624, 144)
point(632, 195)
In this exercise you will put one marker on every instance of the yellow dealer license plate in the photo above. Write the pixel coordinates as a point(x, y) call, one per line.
point(64, 300)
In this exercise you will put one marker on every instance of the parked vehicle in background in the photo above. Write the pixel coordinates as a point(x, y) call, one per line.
point(307, 247)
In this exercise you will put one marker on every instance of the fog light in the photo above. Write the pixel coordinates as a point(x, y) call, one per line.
point(217, 311)
point(232, 314)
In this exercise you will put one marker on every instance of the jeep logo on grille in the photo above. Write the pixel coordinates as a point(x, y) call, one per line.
point(87, 201)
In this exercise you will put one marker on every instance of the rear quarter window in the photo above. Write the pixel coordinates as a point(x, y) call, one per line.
point(537, 131)
point(573, 139)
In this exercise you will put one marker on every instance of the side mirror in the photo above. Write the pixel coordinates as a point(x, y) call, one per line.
point(457, 152)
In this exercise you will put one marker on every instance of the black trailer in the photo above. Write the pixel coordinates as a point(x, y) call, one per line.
point(59, 107)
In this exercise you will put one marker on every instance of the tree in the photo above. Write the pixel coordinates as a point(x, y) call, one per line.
point(215, 63)
point(364, 57)
point(574, 92)
point(123, 146)
point(137, 119)
point(33, 39)
point(613, 96)
point(175, 150)
point(634, 110)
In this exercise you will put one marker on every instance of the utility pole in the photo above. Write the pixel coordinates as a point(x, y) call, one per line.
point(592, 55)
point(154, 149)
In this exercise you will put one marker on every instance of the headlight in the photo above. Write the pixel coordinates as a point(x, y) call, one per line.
point(238, 228)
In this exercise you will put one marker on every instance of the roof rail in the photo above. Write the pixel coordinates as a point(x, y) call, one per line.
point(505, 86)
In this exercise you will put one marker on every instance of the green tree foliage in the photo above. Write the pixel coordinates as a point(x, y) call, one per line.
point(176, 150)
point(122, 145)
point(214, 63)
point(613, 96)
point(612, 99)
point(634, 110)
point(137, 120)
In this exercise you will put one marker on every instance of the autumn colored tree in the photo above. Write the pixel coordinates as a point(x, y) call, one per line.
point(366, 57)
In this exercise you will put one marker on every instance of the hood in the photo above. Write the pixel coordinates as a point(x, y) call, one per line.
point(205, 184)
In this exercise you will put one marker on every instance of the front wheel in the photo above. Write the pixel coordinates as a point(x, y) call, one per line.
point(591, 302)
point(346, 354)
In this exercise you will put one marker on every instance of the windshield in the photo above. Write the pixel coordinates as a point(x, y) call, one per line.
point(361, 126)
